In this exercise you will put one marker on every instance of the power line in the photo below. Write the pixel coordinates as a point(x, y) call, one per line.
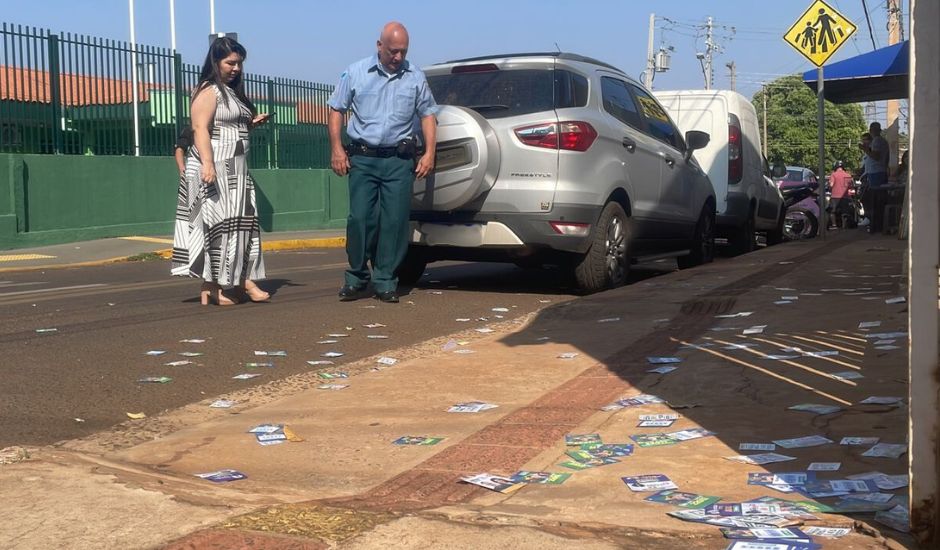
point(868, 19)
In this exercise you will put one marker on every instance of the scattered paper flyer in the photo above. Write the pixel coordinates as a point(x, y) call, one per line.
point(328, 341)
point(155, 352)
point(733, 315)
point(332, 354)
point(847, 375)
point(858, 441)
point(417, 440)
point(662, 370)
point(756, 329)
point(179, 363)
point(869, 324)
point(649, 483)
point(663, 360)
point(769, 538)
point(801, 442)
point(693, 433)
point(580, 439)
point(191, 353)
point(653, 440)
point(887, 348)
point(757, 447)
point(779, 357)
point(154, 380)
point(471, 407)
point(884, 482)
point(814, 408)
point(222, 404)
point(898, 300)
point(193, 341)
point(886, 450)
point(46, 330)
point(739, 346)
point(824, 466)
point(136, 416)
point(542, 478)
point(663, 416)
point(882, 401)
point(782, 302)
point(827, 532)
point(593, 463)
point(266, 365)
point(594, 451)
point(222, 476)
point(682, 500)
point(338, 335)
point(826, 353)
point(759, 459)
point(500, 309)
point(246, 376)
point(484, 330)
point(279, 353)
point(332, 386)
point(374, 325)
point(319, 363)
point(493, 483)
point(376, 337)
point(655, 423)
point(568, 355)
point(386, 361)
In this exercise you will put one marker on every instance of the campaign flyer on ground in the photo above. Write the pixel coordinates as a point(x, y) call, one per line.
point(546, 478)
point(682, 500)
point(493, 483)
point(580, 439)
point(649, 483)
point(653, 440)
point(417, 440)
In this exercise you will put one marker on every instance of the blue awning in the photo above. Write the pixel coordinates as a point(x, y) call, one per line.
point(874, 76)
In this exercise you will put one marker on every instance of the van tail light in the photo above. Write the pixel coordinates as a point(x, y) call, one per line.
point(567, 136)
point(735, 156)
point(571, 229)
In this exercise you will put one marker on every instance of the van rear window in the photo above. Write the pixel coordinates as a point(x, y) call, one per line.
point(507, 93)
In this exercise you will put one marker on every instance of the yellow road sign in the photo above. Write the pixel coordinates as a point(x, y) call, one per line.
point(819, 32)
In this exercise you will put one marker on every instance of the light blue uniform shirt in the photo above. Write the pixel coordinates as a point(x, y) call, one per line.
point(383, 105)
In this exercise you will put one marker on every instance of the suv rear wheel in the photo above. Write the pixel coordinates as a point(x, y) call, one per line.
point(744, 239)
point(703, 241)
point(607, 263)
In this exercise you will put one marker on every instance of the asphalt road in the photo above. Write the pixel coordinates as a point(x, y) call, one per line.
point(83, 376)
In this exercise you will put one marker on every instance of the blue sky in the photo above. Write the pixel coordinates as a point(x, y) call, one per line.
point(311, 41)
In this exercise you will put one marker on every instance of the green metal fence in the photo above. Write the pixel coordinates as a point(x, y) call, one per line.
point(74, 94)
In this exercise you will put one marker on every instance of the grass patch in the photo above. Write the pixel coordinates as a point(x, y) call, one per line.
point(145, 257)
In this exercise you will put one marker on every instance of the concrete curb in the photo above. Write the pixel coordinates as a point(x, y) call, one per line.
point(167, 253)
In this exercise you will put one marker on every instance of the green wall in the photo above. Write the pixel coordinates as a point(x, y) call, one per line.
point(49, 199)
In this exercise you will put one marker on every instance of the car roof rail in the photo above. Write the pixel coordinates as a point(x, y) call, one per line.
point(559, 55)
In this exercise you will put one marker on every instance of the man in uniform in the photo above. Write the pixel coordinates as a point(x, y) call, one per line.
point(384, 93)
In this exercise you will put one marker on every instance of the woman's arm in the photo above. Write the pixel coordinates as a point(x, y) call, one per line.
point(180, 157)
point(203, 112)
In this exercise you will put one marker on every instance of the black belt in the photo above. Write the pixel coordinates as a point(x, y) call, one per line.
point(404, 150)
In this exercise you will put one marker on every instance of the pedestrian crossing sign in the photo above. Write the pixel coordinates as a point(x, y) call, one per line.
point(819, 32)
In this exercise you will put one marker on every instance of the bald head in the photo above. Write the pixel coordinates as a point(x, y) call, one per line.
point(393, 46)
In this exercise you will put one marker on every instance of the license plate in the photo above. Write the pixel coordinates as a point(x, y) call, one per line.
point(450, 158)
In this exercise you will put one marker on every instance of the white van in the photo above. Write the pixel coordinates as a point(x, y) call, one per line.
point(748, 200)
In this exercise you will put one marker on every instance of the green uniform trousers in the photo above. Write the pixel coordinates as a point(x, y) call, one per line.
point(377, 228)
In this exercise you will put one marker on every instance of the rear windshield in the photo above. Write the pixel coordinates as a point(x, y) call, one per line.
point(507, 93)
point(794, 175)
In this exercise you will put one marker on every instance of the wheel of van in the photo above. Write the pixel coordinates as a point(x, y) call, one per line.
point(412, 267)
point(801, 224)
point(775, 236)
point(607, 263)
point(744, 240)
point(703, 241)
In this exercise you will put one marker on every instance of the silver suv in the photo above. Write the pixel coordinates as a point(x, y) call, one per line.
point(555, 158)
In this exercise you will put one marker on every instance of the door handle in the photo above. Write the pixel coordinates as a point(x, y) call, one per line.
point(629, 144)
point(668, 160)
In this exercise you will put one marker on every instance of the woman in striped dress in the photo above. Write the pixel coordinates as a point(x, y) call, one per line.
point(217, 236)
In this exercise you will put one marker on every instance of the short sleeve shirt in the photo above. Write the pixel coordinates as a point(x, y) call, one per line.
point(872, 164)
point(383, 106)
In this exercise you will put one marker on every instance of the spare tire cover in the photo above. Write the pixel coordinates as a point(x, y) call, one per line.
point(467, 161)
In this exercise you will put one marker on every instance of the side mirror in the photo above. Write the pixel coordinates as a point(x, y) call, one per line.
point(695, 139)
point(778, 171)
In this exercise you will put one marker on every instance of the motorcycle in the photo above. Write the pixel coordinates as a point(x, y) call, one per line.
point(802, 217)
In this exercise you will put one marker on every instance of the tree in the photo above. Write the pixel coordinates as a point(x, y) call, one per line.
point(792, 129)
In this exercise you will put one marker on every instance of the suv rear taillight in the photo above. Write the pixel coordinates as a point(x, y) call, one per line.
point(567, 136)
point(735, 157)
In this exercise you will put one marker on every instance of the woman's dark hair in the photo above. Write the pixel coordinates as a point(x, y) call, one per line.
point(221, 48)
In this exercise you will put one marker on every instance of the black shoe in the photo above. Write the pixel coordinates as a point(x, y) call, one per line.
point(349, 293)
point(389, 297)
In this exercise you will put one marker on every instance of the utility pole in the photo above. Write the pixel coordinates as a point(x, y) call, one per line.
point(731, 67)
point(134, 81)
point(709, 48)
point(892, 130)
point(764, 97)
point(650, 59)
point(173, 26)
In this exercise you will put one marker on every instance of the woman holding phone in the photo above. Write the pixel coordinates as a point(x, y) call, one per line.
point(217, 235)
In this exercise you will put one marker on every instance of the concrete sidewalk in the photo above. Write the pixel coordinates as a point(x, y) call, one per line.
point(118, 249)
point(347, 486)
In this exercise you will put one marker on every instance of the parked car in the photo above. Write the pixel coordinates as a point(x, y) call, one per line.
point(555, 158)
point(798, 176)
point(747, 199)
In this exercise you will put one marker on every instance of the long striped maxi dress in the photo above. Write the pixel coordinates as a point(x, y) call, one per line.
point(217, 236)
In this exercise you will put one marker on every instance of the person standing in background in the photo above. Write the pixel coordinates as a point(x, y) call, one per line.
point(384, 93)
point(876, 168)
